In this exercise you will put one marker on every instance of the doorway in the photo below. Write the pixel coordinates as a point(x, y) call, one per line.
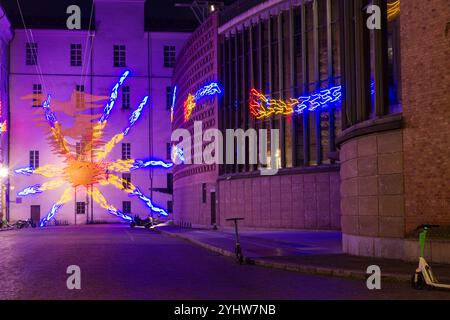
point(213, 208)
point(35, 213)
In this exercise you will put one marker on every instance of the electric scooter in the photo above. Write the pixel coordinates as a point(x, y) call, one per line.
point(238, 250)
point(424, 277)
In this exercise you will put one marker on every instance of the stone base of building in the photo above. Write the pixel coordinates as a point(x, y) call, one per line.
point(437, 251)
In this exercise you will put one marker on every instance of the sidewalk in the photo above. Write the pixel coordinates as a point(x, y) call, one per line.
point(315, 252)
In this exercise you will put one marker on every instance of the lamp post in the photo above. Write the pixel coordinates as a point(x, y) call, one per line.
point(4, 172)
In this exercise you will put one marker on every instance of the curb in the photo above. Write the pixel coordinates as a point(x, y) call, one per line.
point(306, 269)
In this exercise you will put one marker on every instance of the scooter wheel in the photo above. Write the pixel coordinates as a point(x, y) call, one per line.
point(417, 281)
point(132, 225)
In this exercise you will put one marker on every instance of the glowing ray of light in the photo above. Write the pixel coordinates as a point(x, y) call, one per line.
point(55, 127)
point(148, 202)
point(189, 106)
point(66, 197)
point(98, 197)
point(102, 154)
point(28, 191)
point(135, 116)
point(121, 165)
point(27, 171)
point(262, 107)
point(393, 10)
point(209, 90)
point(48, 171)
point(134, 191)
point(113, 97)
point(140, 164)
point(3, 127)
point(177, 155)
point(191, 102)
point(172, 107)
point(52, 185)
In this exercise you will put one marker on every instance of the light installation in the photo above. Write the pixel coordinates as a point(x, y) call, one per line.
point(192, 100)
point(393, 10)
point(262, 106)
point(78, 172)
point(177, 154)
point(172, 107)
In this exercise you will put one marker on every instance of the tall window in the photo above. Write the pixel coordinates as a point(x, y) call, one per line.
point(126, 207)
point(80, 149)
point(126, 97)
point(168, 151)
point(34, 159)
point(126, 180)
point(126, 151)
point(79, 99)
point(204, 195)
point(31, 53)
point(120, 56)
point(81, 207)
point(170, 206)
point(169, 56)
point(75, 55)
point(37, 92)
point(170, 181)
point(168, 98)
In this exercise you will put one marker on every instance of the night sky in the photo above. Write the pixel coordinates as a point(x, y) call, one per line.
point(160, 14)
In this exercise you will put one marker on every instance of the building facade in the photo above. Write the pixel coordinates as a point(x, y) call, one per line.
point(5, 38)
point(355, 139)
point(79, 68)
point(195, 184)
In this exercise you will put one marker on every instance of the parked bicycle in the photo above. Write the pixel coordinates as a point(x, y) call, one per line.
point(238, 250)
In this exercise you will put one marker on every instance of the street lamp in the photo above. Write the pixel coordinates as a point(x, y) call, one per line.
point(4, 172)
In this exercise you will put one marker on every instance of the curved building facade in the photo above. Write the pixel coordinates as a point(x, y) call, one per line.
point(348, 137)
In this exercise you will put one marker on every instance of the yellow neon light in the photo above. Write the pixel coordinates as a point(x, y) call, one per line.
point(393, 10)
point(110, 145)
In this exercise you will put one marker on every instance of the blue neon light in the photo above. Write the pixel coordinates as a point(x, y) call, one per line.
point(113, 97)
point(178, 154)
point(322, 99)
point(209, 90)
point(140, 164)
point(136, 115)
point(51, 214)
point(25, 171)
point(30, 190)
point(148, 202)
point(49, 115)
point(119, 214)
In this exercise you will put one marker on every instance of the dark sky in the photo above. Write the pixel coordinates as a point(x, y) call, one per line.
point(160, 14)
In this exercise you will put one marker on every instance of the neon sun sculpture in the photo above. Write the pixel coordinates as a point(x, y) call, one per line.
point(96, 172)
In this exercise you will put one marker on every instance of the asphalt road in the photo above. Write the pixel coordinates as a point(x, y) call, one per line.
point(121, 263)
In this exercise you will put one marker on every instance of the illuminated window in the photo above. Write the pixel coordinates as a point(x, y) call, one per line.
point(126, 207)
point(169, 56)
point(126, 151)
point(126, 177)
point(119, 56)
point(37, 92)
point(31, 53)
point(126, 97)
point(79, 96)
point(75, 55)
point(81, 207)
point(34, 159)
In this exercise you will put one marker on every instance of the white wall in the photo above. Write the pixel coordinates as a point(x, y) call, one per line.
point(59, 79)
